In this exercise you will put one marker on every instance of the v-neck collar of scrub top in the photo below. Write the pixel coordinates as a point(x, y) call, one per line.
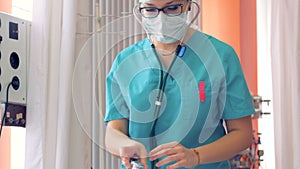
point(153, 62)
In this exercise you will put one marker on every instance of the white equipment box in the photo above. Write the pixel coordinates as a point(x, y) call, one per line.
point(14, 54)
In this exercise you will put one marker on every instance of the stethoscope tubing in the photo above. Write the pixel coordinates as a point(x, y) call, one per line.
point(161, 86)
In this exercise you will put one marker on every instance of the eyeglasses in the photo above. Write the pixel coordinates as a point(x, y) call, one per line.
point(152, 12)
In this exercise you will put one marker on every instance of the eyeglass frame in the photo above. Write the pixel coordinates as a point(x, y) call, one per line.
point(162, 9)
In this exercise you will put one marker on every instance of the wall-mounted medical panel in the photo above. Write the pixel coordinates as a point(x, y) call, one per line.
point(14, 53)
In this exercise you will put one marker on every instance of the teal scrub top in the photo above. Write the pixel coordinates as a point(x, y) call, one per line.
point(205, 86)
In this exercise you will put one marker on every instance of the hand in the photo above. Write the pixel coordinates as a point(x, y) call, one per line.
point(174, 152)
point(135, 150)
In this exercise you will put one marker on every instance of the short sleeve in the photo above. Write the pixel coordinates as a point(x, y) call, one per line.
point(116, 107)
point(238, 102)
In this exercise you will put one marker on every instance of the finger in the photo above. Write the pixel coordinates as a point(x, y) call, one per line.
point(162, 150)
point(126, 162)
point(127, 151)
point(143, 154)
point(167, 151)
point(144, 162)
point(178, 164)
point(173, 158)
point(163, 146)
point(162, 153)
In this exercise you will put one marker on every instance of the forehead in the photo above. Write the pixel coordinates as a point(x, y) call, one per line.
point(159, 2)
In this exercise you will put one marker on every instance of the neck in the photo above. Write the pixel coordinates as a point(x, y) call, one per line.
point(164, 46)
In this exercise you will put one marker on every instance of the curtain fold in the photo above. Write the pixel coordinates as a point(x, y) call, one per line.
point(285, 54)
point(54, 137)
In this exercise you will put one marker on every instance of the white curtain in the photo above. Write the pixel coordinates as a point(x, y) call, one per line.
point(285, 54)
point(54, 136)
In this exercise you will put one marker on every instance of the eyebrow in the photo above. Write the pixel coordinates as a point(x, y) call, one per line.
point(171, 2)
point(168, 3)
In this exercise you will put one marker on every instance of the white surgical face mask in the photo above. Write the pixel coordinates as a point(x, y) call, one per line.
point(166, 29)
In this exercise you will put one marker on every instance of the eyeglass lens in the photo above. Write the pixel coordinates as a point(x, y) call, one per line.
point(151, 12)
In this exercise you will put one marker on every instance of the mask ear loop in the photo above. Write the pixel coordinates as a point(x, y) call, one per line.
point(135, 11)
point(197, 14)
point(136, 14)
point(192, 21)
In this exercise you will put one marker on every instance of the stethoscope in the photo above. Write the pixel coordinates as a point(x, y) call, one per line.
point(179, 52)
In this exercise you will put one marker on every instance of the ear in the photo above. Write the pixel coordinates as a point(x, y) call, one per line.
point(190, 4)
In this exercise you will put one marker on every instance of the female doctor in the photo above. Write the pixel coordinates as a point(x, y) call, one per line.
point(177, 99)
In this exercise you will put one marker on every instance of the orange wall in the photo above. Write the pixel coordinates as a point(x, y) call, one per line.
point(249, 49)
point(222, 19)
point(249, 43)
point(5, 6)
point(5, 148)
point(234, 22)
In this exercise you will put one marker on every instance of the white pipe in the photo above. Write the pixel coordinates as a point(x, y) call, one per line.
point(95, 121)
